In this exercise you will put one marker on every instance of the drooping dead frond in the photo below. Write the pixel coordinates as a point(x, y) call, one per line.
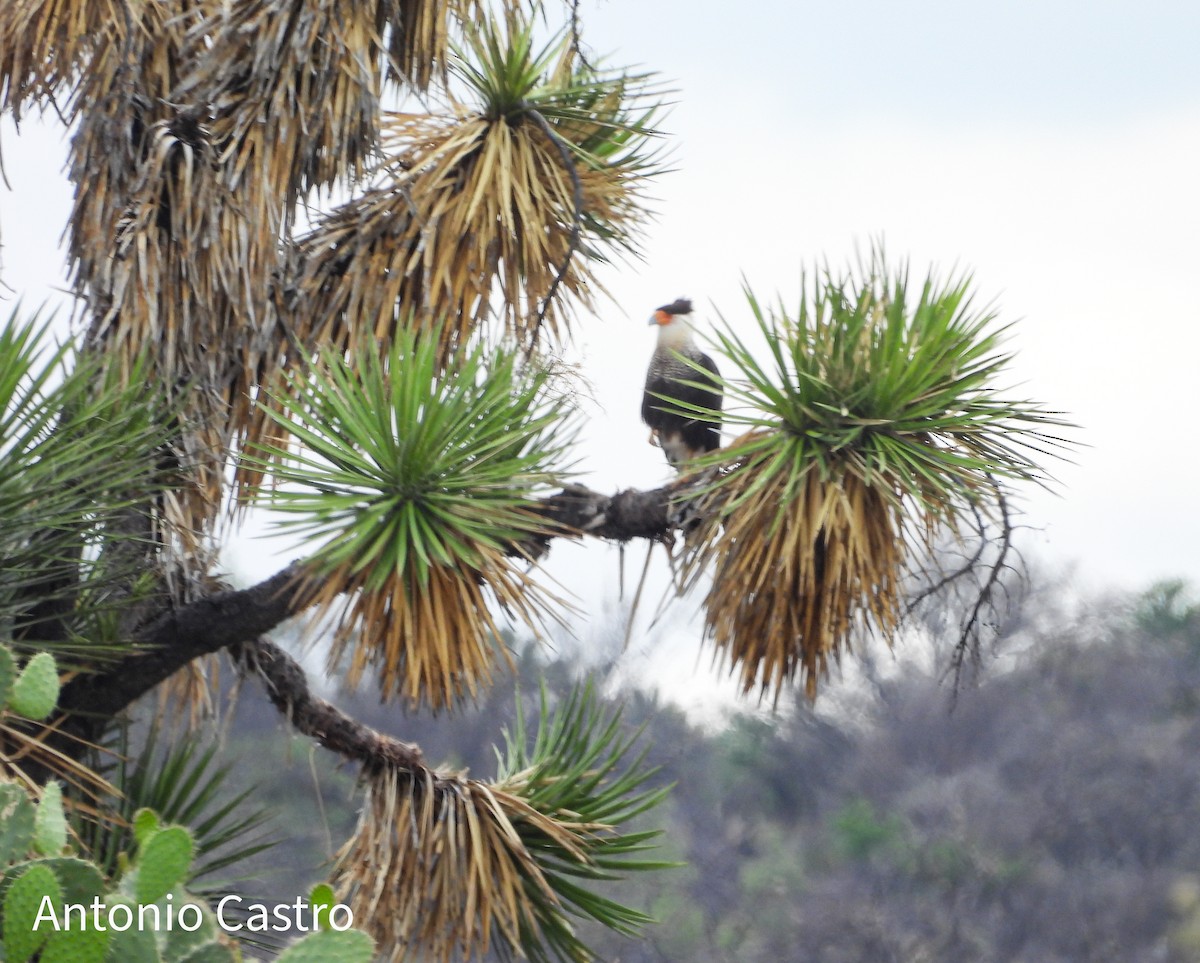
point(189, 697)
point(460, 234)
point(418, 36)
point(455, 874)
point(432, 641)
point(44, 44)
point(361, 268)
point(28, 752)
point(500, 207)
point(293, 89)
point(790, 588)
point(173, 256)
point(144, 236)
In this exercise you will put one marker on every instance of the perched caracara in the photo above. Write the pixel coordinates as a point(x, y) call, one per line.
point(682, 438)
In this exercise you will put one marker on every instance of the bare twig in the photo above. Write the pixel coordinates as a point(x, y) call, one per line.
point(969, 567)
point(969, 629)
point(568, 161)
point(576, 29)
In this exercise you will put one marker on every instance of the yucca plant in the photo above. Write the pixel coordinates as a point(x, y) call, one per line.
point(873, 422)
point(183, 782)
point(571, 772)
point(326, 62)
point(502, 203)
point(382, 382)
point(417, 483)
point(166, 252)
point(202, 129)
point(78, 449)
point(501, 864)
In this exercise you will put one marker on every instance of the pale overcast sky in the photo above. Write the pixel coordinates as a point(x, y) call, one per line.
point(1050, 146)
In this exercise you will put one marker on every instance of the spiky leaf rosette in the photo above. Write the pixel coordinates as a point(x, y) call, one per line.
point(503, 864)
point(874, 424)
point(500, 205)
point(77, 449)
point(182, 782)
point(418, 483)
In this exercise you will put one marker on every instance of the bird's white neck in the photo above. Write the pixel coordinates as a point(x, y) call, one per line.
point(675, 336)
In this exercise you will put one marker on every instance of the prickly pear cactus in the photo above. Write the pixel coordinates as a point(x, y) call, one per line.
point(50, 824)
point(24, 903)
point(51, 903)
point(17, 816)
point(56, 907)
point(34, 693)
point(8, 674)
point(164, 860)
point(330, 946)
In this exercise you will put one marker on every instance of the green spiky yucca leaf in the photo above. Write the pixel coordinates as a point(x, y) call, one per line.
point(874, 420)
point(415, 482)
point(183, 782)
point(603, 118)
point(77, 449)
point(505, 864)
point(576, 770)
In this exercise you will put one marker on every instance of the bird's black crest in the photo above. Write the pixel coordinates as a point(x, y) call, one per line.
point(678, 306)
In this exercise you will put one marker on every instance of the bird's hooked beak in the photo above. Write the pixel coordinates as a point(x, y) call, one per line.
point(660, 317)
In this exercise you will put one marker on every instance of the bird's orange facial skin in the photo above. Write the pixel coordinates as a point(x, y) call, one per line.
point(662, 317)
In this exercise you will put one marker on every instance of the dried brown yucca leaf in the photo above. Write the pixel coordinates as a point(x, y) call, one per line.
point(791, 588)
point(146, 246)
point(418, 36)
point(502, 205)
point(457, 875)
point(433, 642)
point(294, 93)
point(481, 218)
point(173, 285)
point(189, 697)
point(876, 426)
point(122, 97)
point(28, 750)
point(44, 44)
point(360, 269)
point(505, 863)
point(174, 248)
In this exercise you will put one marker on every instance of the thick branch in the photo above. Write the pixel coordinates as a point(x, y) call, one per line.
point(228, 618)
point(310, 715)
point(624, 516)
point(171, 641)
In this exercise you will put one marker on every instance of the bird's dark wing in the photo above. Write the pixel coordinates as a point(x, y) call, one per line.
point(659, 388)
point(681, 383)
point(703, 434)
